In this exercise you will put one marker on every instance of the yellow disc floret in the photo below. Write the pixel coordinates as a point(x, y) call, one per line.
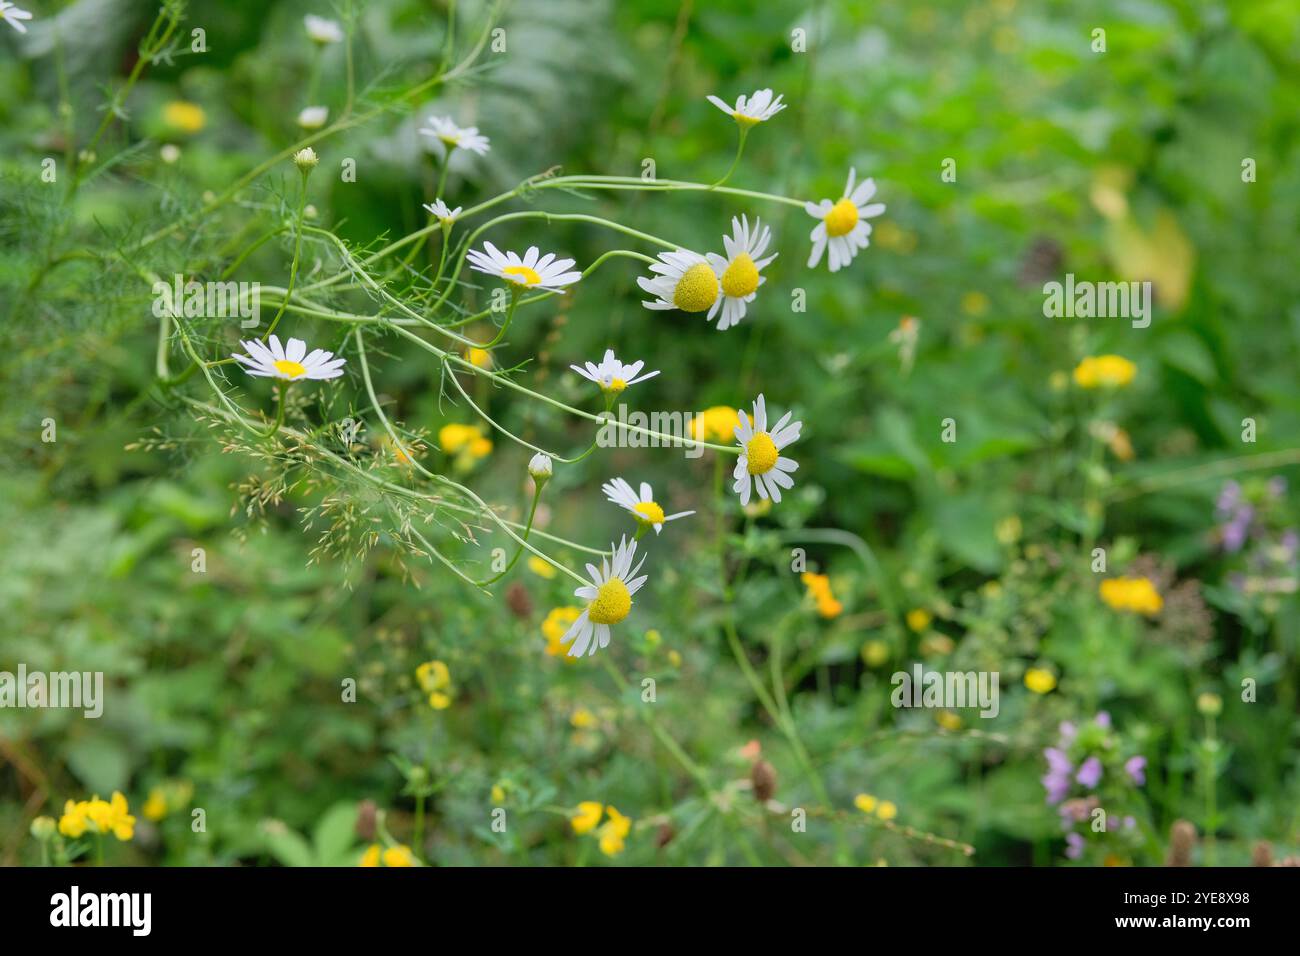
point(290, 369)
point(521, 274)
point(741, 277)
point(697, 289)
point(612, 603)
point(649, 512)
point(842, 218)
point(615, 385)
point(761, 453)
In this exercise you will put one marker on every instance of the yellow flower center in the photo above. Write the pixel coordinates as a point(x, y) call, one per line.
point(449, 140)
point(741, 277)
point(649, 512)
point(697, 289)
point(612, 603)
point(745, 121)
point(842, 218)
point(616, 385)
point(290, 369)
point(761, 453)
point(526, 276)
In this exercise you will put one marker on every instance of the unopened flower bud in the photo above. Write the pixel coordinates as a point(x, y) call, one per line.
point(763, 776)
point(43, 828)
point(540, 467)
point(306, 159)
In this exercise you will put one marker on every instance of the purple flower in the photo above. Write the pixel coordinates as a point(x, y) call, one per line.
point(1057, 786)
point(1136, 767)
point(1074, 847)
point(1089, 774)
point(1229, 497)
point(1129, 823)
point(1068, 731)
point(1102, 719)
point(1057, 761)
point(1237, 530)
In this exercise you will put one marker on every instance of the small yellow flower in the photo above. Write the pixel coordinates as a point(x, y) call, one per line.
point(1138, 595)
point(918, 619)
point(434, 679)
point(1104, 371)
point(588, 815)
point(875, 653)
point(554, 628)
point(948, 720)
point(371, 856)
point(583, 719)
point(1211, 705)
point(184, 116)
point(479, 357)
point(886, 810)
point(465, 441)
point(1008, 530)
point(74, 821)
point(865, 802)
point(1040, 680)
point(974, 303)
point(498, 794)
point(819, 588)
point(155, 808)
point(675, 658)
point(715, 424)
point(541, 567)
point(399, 856)
point(614, 832)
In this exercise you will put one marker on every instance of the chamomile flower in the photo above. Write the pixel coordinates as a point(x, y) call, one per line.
point(683, 280)
point(611, 375)
point(740, 272)
point(644, 508)
point(290, 363)
point(438, 210)
point(608, 597)
point(750, 111)
point(761, 463)
point(533, 271)
point(313, 117)
point(14, 16)
point(322, 30)
point(841, 228)
point(442, 129)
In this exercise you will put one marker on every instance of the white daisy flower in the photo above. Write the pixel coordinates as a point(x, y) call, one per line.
point(438, 209)
point(531, 272)
point(684, 280)
point(750, 112)
point(761, 459)
point(841, 228)
point(452, 136)
point(290, 363)
point(313, 117)
point(608, 597)
point(14, 16)
point(612, 375)
point(322, 30)
point(740, 272)
point(644, 508)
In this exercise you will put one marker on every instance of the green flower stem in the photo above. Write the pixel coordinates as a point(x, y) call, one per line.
point(283, 390)
point(297, 251)
point(740, 149)
point(532, 512)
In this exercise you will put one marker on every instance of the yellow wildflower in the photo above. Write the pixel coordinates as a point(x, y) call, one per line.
point(583, 719)
point(715, 424)
point(918, 619)
point(434, 679)
point(886, 810)
point(819, 588)
point(541, 567)
point(184, 116)
point(948, 720)
point(1104, 371)
point(865, 802)
point(588, 815)
point(498, 794)
point(875, 653)
point(1040, 680)
point(371, 856)
point(614, 832)
point(479, 357)
point(399, 856)
point(155, 808)
point(1138, 595)
point(554, 628)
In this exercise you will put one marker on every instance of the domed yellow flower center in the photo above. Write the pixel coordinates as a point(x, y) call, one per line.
point(842, 218)
point(290, 369)
point(741, 277)
point(449, 139)
point(616, 385)
point(521, 274)
point(649, 512)
point(745, 121)
point(761, 453)
point(697, 289)
point(612, 603)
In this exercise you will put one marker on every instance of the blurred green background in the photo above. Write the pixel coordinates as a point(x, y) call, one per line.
point(224, 686)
